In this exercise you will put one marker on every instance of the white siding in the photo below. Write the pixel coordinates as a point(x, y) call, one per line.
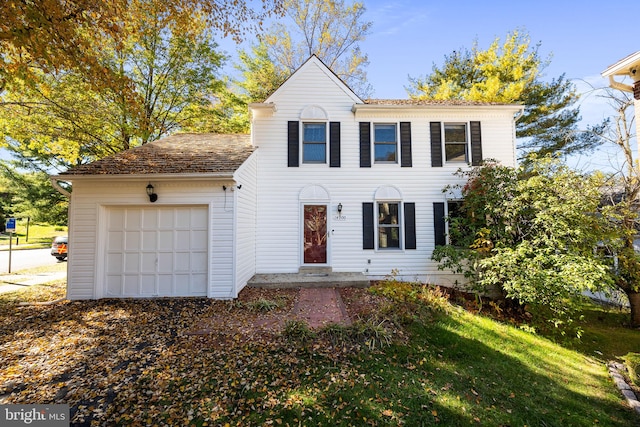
point(90, 201)
point(279, 215)
point(245, 224)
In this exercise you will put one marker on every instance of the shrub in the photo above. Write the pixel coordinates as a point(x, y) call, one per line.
point(298, 330)
point(264, 305)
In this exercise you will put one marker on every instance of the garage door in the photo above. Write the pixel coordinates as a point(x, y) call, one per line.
point(159, 251)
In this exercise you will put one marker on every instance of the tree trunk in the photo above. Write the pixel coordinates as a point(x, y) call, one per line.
point(634, 302)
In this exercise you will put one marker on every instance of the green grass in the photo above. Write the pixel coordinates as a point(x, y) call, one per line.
point(459, 370)
point(606, 335)
point(446, 367)
point(40, 235)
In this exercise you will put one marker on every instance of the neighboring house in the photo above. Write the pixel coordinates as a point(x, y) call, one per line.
point(324, 180)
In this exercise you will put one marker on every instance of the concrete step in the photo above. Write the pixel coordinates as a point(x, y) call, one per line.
point(305, 279)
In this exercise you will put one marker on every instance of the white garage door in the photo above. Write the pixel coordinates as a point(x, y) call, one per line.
point(157, 251)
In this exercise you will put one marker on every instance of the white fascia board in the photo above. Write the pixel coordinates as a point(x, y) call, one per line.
point(359, 109)
point(263, 106)
point(622, 67)
point(222, 176)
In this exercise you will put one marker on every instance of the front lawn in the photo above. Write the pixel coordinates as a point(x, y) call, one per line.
point(204, 362)
point(40, 235)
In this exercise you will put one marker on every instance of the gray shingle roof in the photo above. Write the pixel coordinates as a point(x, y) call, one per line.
point(180, 153)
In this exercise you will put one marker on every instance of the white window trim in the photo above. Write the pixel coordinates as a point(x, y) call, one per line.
point(467, 154)
point(373, 142)
point(400, 225)
point(326, 141)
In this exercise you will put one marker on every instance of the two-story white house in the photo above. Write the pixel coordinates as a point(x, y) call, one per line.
point(325, 179)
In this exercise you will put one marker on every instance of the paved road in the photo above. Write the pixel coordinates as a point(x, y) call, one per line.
point(21, 260)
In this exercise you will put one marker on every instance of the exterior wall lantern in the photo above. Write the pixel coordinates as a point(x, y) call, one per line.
point(152, 195)
point(339, 208)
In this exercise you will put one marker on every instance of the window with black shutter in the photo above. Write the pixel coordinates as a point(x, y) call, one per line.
point(334, 144)
point(476, 144)
point(368, 230)
point(365, 144)
point(439, 226)
point(436, 144)
point(405, 144)
point(410, 226)
point(293, 144)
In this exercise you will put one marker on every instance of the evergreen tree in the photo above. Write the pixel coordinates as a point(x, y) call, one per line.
point(512, 73)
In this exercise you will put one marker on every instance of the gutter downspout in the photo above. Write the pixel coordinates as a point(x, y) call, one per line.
point(620, 86)
point(54, 182)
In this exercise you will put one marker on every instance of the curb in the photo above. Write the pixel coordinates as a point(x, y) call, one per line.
point(614, 370)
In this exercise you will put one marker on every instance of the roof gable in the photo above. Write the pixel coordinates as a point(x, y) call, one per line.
point(309, 64)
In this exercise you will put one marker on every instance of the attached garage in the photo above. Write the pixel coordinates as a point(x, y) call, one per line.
point(156, 251)
point(162, 220)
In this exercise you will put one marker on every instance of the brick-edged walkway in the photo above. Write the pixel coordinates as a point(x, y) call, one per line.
point(320, 307)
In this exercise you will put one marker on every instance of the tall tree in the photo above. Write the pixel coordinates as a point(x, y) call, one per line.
point(31, 195)
point(56, 35)
point(330, 29)
point(622, 196)
point(167, 65)
point(230, 113)
point(512, 72)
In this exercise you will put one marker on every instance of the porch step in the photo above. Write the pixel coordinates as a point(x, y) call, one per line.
point(309, 279)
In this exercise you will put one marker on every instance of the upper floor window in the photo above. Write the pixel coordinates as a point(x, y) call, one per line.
point(389, 225)
point(455, 142)
point(314, 143)
point(385, 143)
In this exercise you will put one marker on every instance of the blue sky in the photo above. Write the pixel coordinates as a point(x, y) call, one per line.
point(581, 38)
point(408, 37)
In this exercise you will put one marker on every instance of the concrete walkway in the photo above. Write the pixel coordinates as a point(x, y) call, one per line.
point(14, 282)
point(320, 307)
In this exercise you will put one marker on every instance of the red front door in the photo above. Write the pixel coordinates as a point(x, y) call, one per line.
point(315, 234)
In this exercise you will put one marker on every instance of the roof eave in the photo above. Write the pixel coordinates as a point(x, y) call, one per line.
point(393, 108)
point(622, 67)
point(203, 176)
point(263, 106)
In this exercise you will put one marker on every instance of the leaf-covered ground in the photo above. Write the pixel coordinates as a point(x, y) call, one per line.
point(205, 362)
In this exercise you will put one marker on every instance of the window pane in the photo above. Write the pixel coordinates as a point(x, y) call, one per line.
point(387, 213)
point(456, 152)
point(314, 143)
point(314, 153)
point(315, 132)
point(385, 152)
point(385, 133)
point(388, 237)
point(455, 133)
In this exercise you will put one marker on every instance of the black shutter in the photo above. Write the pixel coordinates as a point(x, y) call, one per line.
point(476, 144)
point(365, 144)
point(293, 144)
point(334, 144)
point(436, 144)
point(368, 227)
point(438, 224)
point(409, 225)
point(405, 144)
